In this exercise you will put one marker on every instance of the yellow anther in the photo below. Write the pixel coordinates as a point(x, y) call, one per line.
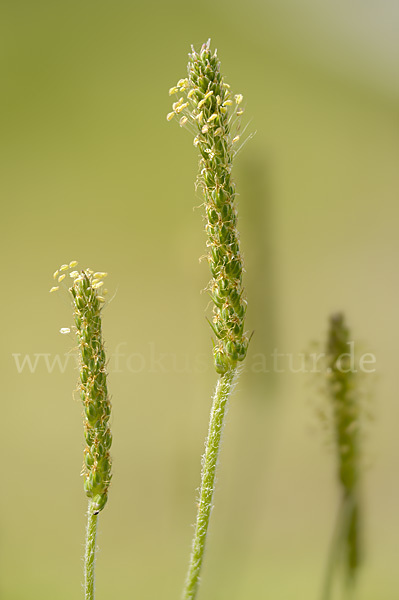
point(191, 94)
point(101, 298)
point(183, 83)
point(177, 104)
point(238, 98)
point(61, 278)
point(100, 274)
point(223, 110)
point(180, 108)
point(183, 121)
point(212, 117)
point(173, 90)
point(54, 289)
point(97, 285)
point(208, 94)
point(227, 103)
point(170, 116)
point(64, 267)
point(73, 274)
point(218, 100)
point(73, 263)
point(235, 139)
point(199, 117)
point(240, 112)
point(226, 85)
point(65, 330)
point(205, 129)
point(55, 274)
point(218, 131)
point(196, 141)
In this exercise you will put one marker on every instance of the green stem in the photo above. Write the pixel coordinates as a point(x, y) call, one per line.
point(333, 556)
point(90, 552)
point(337, 543)
point(209, 464)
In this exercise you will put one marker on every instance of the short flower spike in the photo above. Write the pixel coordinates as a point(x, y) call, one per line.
point(93, 387)
point(88, 305)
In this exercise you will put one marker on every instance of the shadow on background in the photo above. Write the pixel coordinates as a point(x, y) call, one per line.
point(256, 217)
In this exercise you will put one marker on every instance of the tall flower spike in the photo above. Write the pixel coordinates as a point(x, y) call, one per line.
point(210, 101)
point(208, 111)
point(346, 422)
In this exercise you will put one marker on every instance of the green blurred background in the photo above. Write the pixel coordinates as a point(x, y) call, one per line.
point(91, 170)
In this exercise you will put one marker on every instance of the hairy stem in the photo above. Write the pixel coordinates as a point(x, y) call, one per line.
point(209, 463)
point(90, 552)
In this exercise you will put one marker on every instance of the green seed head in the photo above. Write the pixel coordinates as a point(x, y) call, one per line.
point(212, 113)
point(88, 305)
point(344, 395)
point(346, 409)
